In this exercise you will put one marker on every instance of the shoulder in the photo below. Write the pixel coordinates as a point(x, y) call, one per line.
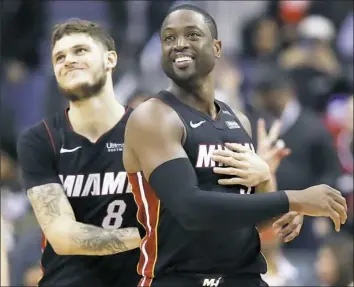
point(153, 115)
point(39, 136)
point(35, 133)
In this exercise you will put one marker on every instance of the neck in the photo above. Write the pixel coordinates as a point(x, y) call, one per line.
point(199, 96)
point(96, 115)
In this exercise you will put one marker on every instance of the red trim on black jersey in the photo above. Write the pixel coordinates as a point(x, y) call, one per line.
point(50, 135)
point(43, 246)
point(148, 215)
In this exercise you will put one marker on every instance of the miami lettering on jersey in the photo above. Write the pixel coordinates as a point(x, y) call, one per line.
point(205, 152)
point(96, 184)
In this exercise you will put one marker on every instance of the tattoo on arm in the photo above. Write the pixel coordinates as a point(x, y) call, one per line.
point(49, 202)
point(95, 239)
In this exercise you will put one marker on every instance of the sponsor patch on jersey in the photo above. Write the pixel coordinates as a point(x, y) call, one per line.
point(113, 147)
point(232, 125)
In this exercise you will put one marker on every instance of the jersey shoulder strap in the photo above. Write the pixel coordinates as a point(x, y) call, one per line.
point(55, 134)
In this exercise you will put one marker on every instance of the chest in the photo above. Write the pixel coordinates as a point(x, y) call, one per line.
point(92, 169)
point(204, 136)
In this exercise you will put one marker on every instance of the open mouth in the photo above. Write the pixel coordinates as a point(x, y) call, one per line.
point(183, 62)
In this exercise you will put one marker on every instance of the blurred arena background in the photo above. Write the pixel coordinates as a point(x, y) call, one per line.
point(295, 52)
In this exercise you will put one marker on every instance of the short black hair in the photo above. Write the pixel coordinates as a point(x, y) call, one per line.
point(209, 20)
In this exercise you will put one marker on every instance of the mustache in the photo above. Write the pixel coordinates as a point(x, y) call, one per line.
point(72, 68)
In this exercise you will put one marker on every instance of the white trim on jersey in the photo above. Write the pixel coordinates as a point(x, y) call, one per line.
point(146, 208)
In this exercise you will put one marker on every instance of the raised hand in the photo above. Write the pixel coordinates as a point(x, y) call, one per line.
point(270, 147)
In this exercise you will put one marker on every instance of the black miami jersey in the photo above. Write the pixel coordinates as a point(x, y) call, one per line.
point(97, 187)
point(170, 249)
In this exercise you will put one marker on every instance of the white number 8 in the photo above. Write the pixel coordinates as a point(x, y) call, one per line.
point(114, 218)
point(248, 191)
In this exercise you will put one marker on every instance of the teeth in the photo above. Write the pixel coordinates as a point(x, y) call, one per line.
point(183, 59)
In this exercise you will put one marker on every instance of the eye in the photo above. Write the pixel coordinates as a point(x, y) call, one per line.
point(59, 58)
point(168, 38)
point(80, 51)
point(193, 34)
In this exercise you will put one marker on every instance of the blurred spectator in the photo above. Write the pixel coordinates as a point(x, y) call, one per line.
point(334, 264)
point(339, 120)
point(21, 31)
point(313, 159)
point(261, 46)
point(280, 271)
point(315, 35)
point(22, 28)
point(227, 89)
point(133, 23)
point(345, 38)
point(25, 259)
point(231, 17)
point(7, 145)
point(287, 15)
point(261, 38)
point(313, 63)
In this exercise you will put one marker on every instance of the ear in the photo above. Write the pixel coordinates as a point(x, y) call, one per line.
point(111, 59)
point(217, 48)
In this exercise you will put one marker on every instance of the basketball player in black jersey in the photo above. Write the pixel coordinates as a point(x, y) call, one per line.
point(73, 169)
point(200, 233)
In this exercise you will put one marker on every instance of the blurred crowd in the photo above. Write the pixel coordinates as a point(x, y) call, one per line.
point(291, 60)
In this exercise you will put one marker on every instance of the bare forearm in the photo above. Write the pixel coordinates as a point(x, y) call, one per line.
point(69, 237)
point(85, 239)
point(267, 186)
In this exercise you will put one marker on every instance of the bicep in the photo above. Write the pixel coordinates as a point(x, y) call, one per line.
point(50, 203)
point(154, 138)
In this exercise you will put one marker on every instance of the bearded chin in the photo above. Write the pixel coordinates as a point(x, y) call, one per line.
point(85, 91)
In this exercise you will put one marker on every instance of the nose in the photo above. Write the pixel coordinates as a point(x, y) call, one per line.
point(181, 44)
point(70, 59)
